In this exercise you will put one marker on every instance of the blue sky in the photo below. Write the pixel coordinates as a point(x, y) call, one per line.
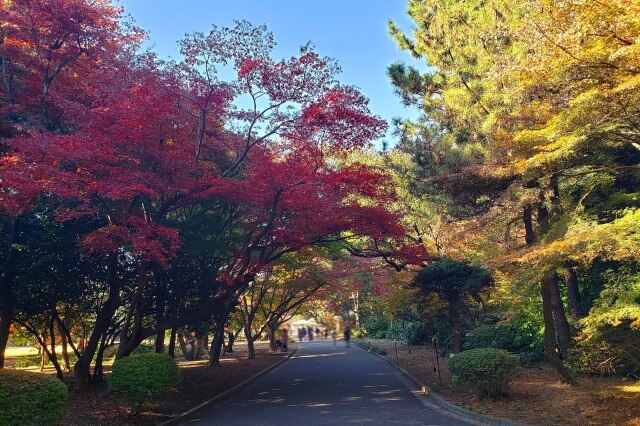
point(352, 31)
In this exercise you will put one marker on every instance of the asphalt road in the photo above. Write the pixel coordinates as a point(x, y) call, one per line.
point(322, 384)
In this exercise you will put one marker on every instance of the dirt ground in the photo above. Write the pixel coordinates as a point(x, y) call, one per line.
point(537, 396)
point(199, 383)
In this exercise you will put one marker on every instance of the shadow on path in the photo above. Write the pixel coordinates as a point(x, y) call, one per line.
point(323, 384)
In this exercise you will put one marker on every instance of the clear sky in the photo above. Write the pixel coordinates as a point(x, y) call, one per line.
point(352, 31)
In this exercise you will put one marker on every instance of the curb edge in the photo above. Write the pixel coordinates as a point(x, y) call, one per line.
point(446, 405)
point(227, 393)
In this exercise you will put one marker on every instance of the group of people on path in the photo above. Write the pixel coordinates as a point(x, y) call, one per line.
point(304, 332)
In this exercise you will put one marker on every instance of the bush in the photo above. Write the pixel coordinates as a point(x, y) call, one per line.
point(28, 398)
point(515, 336)
point(609, 338)
point(376, 327)
point(139, 377)
point(490, 370)
point(26, 361)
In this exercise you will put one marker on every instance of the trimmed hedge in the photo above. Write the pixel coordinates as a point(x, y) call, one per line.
point(139, 377)
point(28, 398)
point(490, 370)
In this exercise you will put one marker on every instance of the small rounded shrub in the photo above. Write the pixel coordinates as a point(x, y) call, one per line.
point(28, 398)
point(139, 377)
point(490, 370)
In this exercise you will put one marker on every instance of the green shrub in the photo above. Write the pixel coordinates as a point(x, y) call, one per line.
point(609, 338)
point(490, 370)
point(376, 327)
point(144, 348)
point(139, 377)
point(515, 336)
point(26, 361)
point(28, 398)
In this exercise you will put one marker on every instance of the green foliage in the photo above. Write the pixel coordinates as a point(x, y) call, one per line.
point(141, 376)
point(377, 327)
point(26, 361)
point(144, 348)
point(609, 341)
point(452, 278)
point(28, 398)
point(518, 336)
point(490, 370)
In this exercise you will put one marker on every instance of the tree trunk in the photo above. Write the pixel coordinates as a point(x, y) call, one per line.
point(98, 370)
point(250, 339)
point(53, 356)
point(272, 336)
point(7, 297)
point(542, 216)
point(171, 350)
point(159, 343)
point(131, 336)
point(7, 306)
point(455, 324)
point(216, 343)
point(573, 291)
point(183, 344)
point(65, 350)
point(200, 347)
point(556, 207)
point(529, 236)
point(550, 343)
point(562, 327)
point(467, 314)
point(81, 370)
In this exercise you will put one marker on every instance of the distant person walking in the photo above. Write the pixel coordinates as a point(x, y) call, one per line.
point(334, 335)
point(284, 339)
point(347, 336)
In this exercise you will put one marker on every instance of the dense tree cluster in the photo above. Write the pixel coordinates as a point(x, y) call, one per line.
point(139, 196)
point(528, 155)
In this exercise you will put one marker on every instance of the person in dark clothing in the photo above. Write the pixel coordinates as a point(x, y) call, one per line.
point(347, 336)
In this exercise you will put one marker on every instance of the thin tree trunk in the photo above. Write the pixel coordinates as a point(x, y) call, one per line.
point(171, 350)
point(53, 356)
point(98, 370)
point(81, 370)
point(7, 296)
point(65, 350)
point(250, 339)
point(542, 216)
point(529, 236)
point(573, 291)
point(272, 336)
point(7, 306)
point(457, 327)
point(556, 207)
point(550, 343)
point(183, 344)
point(159, 343)
point(216, 343)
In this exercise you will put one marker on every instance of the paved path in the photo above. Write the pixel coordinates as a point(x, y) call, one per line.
point(322, 384)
